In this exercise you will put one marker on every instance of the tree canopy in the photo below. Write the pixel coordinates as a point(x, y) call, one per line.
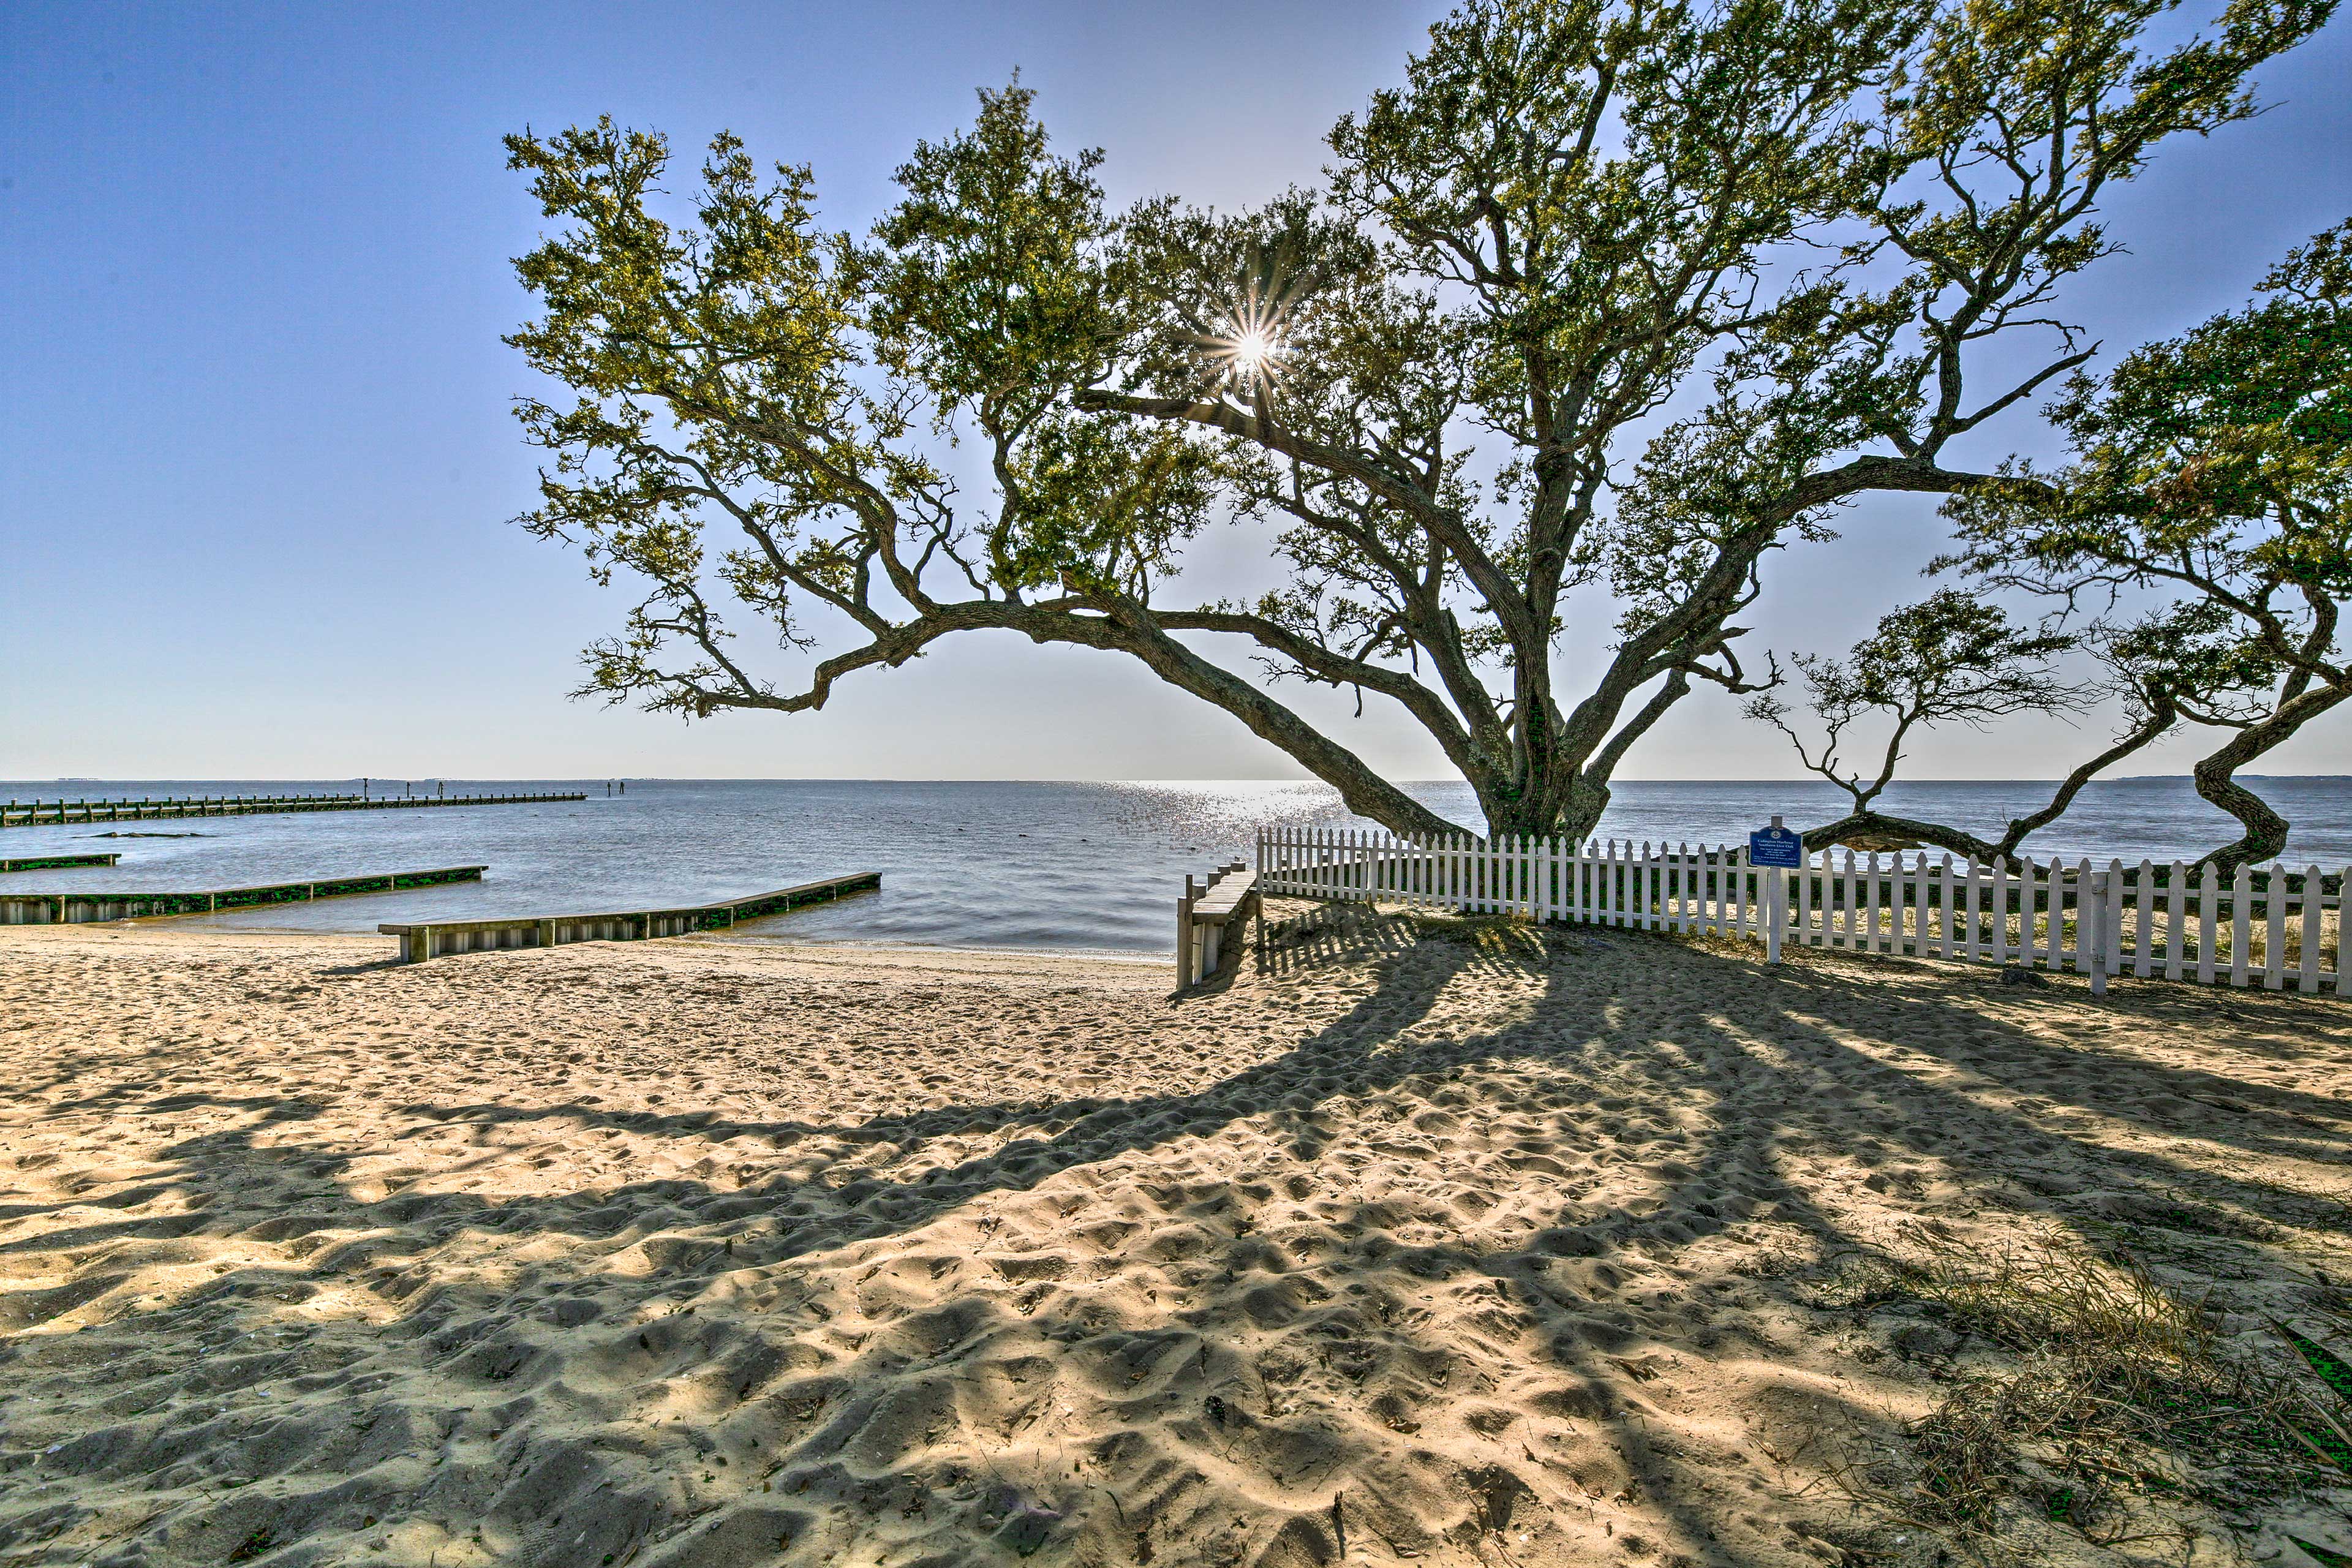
point(2201, 539)
point(1612, 296)
point(1951, 658)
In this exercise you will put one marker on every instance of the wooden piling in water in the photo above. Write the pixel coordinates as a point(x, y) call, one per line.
point(109, 904)
point(66, 813)
point(421, 940)
point(54, 862)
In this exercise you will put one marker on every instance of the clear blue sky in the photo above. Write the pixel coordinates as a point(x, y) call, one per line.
point(255, 456)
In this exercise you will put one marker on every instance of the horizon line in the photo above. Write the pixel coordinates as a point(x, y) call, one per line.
point(684, 778)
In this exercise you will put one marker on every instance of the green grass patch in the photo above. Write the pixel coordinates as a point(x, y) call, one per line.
point(2117, 1384)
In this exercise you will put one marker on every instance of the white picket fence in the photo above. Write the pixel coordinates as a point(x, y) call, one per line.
point(2267, 926)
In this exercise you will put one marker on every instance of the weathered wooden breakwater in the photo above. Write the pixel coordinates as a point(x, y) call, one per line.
point(56, 862)
point(64, 813)
point(110, 904)
point(422, 940)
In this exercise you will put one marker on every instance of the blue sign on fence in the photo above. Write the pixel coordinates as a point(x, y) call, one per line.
point(1775, 846)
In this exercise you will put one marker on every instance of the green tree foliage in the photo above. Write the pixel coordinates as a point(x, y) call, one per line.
point(2212, 472)
point(1610, 295)
point(1950, 659)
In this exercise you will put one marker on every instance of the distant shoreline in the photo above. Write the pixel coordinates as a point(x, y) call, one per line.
point(685, 779)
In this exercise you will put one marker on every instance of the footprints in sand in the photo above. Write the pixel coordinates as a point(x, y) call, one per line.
point(707, 1256)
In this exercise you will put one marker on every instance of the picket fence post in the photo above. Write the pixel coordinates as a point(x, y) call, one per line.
point(2307, 974)
point(2093, 890)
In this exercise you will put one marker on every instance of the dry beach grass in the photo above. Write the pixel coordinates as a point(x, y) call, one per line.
point(1435, 1241)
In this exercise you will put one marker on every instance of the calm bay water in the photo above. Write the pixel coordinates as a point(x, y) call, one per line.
point(1066, 865)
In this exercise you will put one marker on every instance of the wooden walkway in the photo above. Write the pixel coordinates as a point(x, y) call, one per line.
point(420, 940)
point(1230, 898)
point(63, 813)
point(56, 862)
point(108, 904)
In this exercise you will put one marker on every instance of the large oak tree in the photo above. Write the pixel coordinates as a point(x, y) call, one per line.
point(1609, 300)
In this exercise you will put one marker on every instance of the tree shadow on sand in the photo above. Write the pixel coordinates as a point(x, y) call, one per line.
point(1410, 1285)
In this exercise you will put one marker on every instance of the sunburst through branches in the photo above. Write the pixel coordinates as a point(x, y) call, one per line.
point(1242, 352)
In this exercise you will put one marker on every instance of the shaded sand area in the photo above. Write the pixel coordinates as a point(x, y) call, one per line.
point(1432, 1242)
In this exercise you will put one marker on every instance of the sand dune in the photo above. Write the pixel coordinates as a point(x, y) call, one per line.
point(1388, 1247)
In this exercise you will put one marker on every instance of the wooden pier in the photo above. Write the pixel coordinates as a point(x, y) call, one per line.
point(109, 904)
point(421, 941)
point(54, 862)
point(65, 813)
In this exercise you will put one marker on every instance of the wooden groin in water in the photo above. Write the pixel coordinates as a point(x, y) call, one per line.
point(422, 940)
point(110, 904)
point(56, 862)
point(65, 813)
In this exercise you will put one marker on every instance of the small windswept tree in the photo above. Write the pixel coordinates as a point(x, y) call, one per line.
point(1437, 382)
point(2211, 480)
point(2214, 471)
point(1950, 659)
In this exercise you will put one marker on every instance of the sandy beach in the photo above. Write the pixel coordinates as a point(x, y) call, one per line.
point(1431, 1242)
